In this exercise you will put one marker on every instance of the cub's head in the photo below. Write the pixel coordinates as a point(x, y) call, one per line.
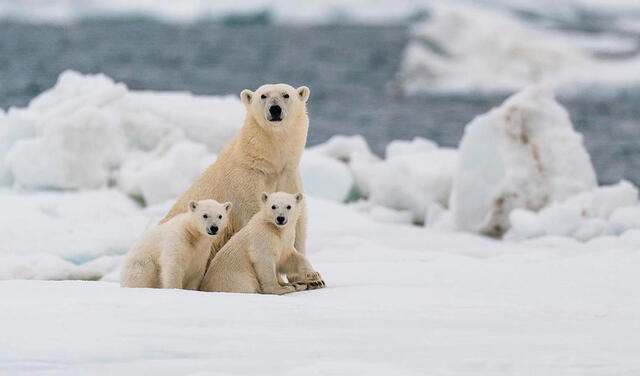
point(275, 105)
point(209, 216)
point(281, 208)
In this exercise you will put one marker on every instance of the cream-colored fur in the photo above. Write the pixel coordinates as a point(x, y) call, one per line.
point(263, 157)
point(256, 257)
point(174, 254)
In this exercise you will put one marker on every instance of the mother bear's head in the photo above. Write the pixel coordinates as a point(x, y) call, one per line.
point(276, 105)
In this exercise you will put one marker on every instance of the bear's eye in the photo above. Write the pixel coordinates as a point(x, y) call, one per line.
point(273, 207)
point(263, 96)
point(286, 96)
point(288, 207)
point(205, 216)
point(220, 216)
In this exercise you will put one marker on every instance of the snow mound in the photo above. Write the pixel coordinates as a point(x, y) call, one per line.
point(465, 47)
point(81, 133)
point(166, 172)
point(523, 154)
point(53, 234)
point(354, 156)
point(415, 175)
point(607, 210)
point(325, 177)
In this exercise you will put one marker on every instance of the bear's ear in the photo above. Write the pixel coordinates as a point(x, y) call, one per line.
point(193, 205)
point(245, 96)
point(227, 206)
point(299, 197)
point(264, 197)
point(304, 93)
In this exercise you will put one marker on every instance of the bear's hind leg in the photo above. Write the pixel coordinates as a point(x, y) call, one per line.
point(140, 273)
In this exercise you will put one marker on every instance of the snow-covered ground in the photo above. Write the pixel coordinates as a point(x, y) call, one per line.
point(400, 300)
point(87, 165)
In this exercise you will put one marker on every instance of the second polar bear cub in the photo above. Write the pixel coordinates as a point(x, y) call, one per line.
point(174, 254)
point(263, 250)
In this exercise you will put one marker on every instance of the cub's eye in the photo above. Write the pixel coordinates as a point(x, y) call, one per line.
point(263, 96)
point(220, 216)
point(288, 207)
point(286, 96)
point(273, 207)
point(205, 216)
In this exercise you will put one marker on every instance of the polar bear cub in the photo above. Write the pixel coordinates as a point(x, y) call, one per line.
point(174, 254)
point(254, 259)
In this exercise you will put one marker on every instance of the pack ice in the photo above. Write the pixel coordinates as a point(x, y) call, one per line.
point(523, 154)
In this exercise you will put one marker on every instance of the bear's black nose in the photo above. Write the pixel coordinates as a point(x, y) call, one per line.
point(213, 230)
point(280, 219)
point(275, 111)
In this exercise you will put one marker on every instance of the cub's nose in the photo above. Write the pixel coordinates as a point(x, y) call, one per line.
point(275, 111)
point(280, 220)
point(213, 230)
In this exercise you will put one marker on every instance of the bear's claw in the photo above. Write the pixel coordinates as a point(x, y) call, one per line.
point(314, 280)
point(316, 285)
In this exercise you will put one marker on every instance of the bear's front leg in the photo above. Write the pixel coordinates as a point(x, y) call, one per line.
point(268, 280)
point(171, 273)
point(301, 230)
point(291, 182)
point(298, 270)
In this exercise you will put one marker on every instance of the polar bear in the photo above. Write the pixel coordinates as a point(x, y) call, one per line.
point(256, 257)
point(174, 254)
point(263, 157)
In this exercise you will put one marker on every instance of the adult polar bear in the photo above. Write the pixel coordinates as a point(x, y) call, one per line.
point(263, 157)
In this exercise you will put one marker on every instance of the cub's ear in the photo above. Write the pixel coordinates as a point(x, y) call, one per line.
point(193, 205)
point(299, 197)
point(264, 197)
point(245, 96)
point(227, 206)
point(304, 93)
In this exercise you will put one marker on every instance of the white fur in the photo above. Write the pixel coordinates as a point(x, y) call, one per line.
point(264, 157)
point(174, 254)
point(256, 257)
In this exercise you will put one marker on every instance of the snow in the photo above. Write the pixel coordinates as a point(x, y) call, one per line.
point(522, 154)
point(412, 178)
point(583, 216)
point(325, 177)
point(436, 303)
point(61, 229)
point(558, 296)
point(463, 47)
point(146, 176)
point(90, 132)
point(346, 163)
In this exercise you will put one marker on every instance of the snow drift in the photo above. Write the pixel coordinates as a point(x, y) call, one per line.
point(587, 215)
point(523, 154)
point(89, 132)
point(414, 176)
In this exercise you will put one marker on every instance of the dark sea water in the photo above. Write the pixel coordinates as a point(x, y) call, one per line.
point(349, 68)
